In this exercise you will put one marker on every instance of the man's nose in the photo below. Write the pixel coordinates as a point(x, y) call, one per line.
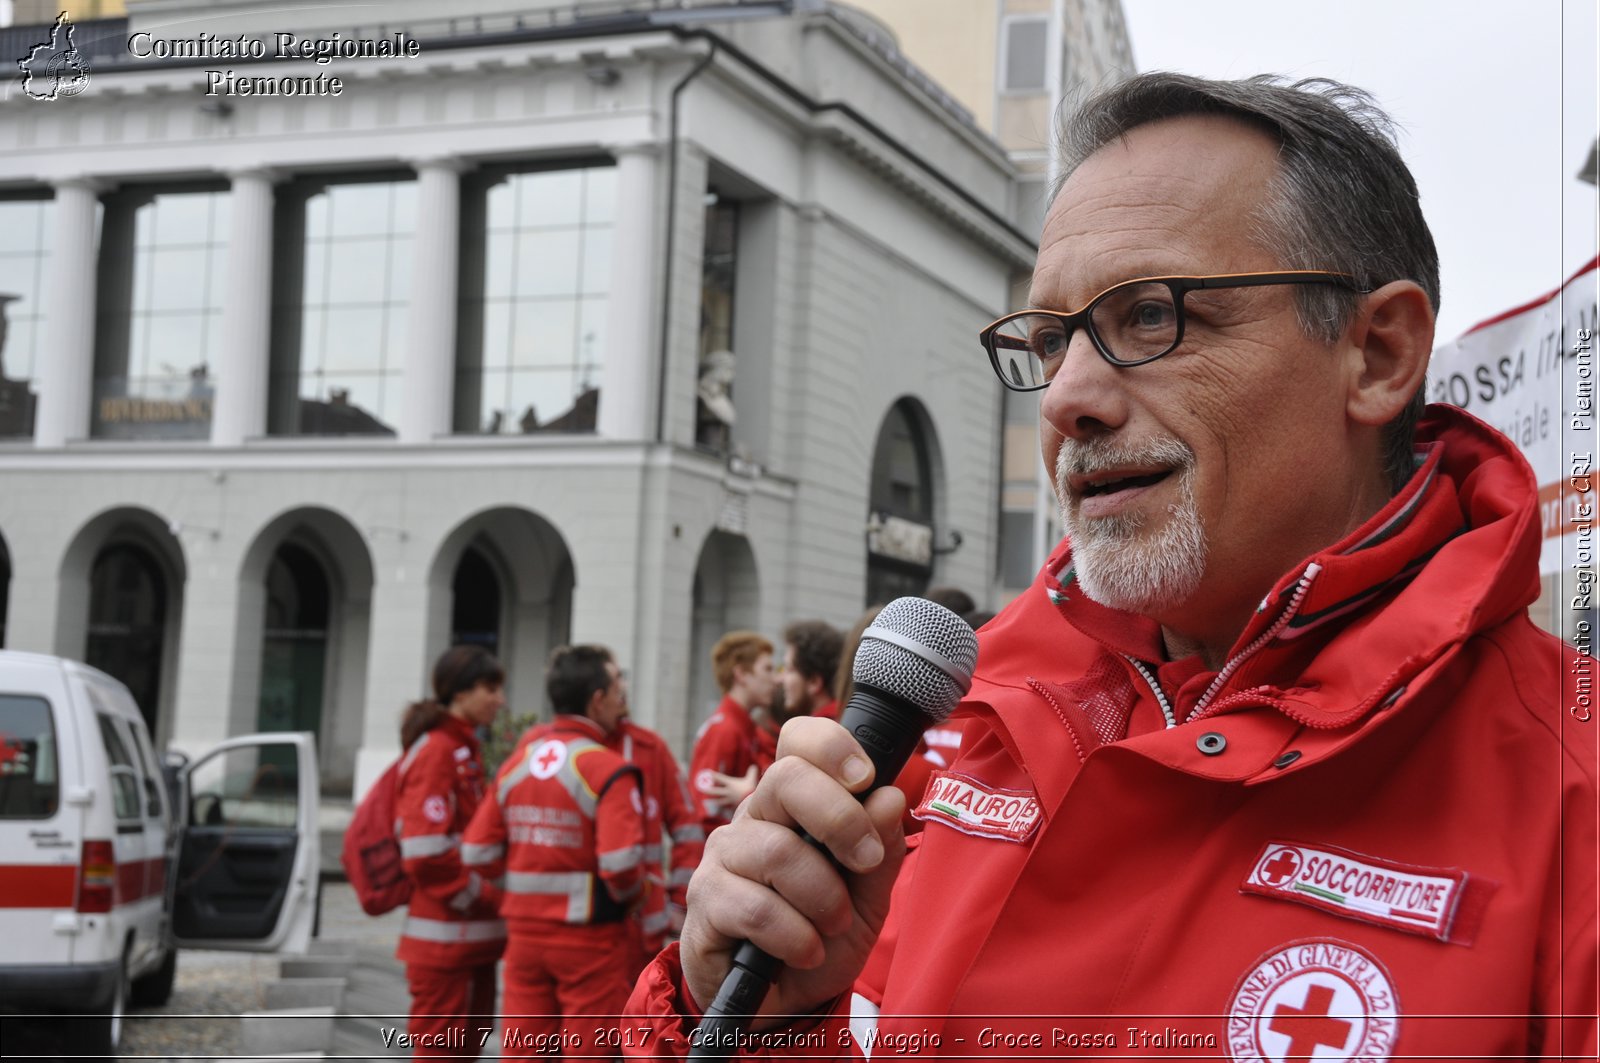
point(1087, 396)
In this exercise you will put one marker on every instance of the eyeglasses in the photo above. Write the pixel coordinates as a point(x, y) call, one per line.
point(1130, 323)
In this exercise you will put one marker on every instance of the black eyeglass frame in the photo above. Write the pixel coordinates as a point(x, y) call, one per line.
point(1178, 286)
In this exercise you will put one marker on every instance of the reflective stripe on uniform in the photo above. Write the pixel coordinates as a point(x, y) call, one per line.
point(468, 893)
point(450, 932)
point(422, 845)
point(513, 777)
point(575, 886)
point(621, 859)
point(411, 754)
point(680, 877)
point(654, 923)
point(691, 832)
point(653, 853)
point(574, 783)
point(480, 853)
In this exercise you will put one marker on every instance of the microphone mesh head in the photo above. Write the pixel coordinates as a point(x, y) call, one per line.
point(897, 669)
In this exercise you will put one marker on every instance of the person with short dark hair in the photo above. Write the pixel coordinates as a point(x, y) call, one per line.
point(954, 599)
point(564, 828)
point(811, 650)
point(1270, 762)
point(452, 936)
point(671, 813)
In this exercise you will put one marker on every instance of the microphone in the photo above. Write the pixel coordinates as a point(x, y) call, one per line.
point(914, 664)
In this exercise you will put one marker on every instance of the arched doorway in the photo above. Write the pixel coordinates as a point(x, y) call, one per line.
point(503, 579)
point(5, 588)
point(304, 618)
point(901, 508)
point(727, 597)
point(127, 621)
point(475, 602)
point(294, 641)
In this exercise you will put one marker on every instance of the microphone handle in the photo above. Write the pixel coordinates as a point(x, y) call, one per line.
point(888, 730)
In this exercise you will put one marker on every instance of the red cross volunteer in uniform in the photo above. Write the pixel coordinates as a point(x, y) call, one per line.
point(1270, 762)
point(452, 936)
point(562, 832)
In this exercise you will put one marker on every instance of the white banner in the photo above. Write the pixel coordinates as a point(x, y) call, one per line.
point(1531, 373)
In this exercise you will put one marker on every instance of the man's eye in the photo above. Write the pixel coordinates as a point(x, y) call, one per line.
point(1151, 314)
point(1049, 344)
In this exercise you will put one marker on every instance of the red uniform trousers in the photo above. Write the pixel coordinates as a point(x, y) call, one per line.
point(452, 1010)
point(565, 989)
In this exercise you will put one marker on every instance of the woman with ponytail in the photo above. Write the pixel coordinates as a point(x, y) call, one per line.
point(452, 935)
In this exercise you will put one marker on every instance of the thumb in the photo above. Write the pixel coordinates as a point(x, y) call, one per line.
point(750, 775)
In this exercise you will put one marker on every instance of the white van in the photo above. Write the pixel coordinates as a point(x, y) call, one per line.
point(108, 864)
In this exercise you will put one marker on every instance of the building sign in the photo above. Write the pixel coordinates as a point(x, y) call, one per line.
point(898, 539)
point(185, 414)
point(1531, 373)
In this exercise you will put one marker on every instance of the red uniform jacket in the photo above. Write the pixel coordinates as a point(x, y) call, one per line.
point(728, 742)
point(452, 919)
point(563, 829)
point(668, 809)
point(1374, 839)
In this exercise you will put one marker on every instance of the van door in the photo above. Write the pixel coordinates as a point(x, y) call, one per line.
point(248, 852)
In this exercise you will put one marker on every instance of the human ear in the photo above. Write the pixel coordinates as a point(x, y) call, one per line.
point(1390, 341)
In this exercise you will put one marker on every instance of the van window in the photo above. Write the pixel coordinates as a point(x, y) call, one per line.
point(252, 786)
point(150, 775)
point(124, 776)
point(30, 786)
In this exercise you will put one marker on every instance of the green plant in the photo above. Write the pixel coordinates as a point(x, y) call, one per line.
point(503, 736)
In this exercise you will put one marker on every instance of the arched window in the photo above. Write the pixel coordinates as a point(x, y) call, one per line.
point(900, 507)
point(127, 622)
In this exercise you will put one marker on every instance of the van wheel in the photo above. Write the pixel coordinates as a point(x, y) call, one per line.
point(155, 989)
point(98, 1033)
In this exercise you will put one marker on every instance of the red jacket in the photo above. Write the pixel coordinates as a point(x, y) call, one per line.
point(729, 742)
point(1375, 839)
point(669, 809)
point(563, 828)
point(452, 919)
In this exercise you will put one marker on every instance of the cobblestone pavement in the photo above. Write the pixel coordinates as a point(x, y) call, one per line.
point(214, 988)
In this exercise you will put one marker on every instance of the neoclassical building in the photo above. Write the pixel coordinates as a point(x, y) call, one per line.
point(625, 323)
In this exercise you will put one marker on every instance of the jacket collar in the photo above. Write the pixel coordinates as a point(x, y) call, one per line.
point(571, 723)
point(1350, 628)
point(460, 730)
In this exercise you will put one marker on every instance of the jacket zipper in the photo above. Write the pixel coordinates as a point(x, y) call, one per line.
point(1302, 588)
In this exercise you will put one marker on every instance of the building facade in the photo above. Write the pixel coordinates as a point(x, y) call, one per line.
point(630, 324)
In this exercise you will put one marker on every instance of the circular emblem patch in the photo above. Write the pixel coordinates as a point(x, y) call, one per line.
point(705, 780)
point(435, 809)
point(1319, 999)
point(1278, 865)
point(546, 758)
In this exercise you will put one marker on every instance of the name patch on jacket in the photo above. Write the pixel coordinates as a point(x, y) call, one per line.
point(974, 807)
point(1445, 904)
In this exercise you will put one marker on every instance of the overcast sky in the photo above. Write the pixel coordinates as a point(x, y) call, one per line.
point(1496, 108)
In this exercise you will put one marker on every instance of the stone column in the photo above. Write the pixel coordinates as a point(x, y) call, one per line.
point(239, 406)
point(431, 318)
point(66, 375)
point(628, 384)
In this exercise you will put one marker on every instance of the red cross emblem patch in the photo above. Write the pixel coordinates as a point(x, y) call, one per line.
point(546, 758)
point(1320, 999)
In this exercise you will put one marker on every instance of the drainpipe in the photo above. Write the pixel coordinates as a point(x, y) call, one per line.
point(672, 228)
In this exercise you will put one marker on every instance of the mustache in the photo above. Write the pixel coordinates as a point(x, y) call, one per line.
point(1088, 457)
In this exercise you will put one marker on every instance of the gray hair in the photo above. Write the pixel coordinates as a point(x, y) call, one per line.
point(1342, 200)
